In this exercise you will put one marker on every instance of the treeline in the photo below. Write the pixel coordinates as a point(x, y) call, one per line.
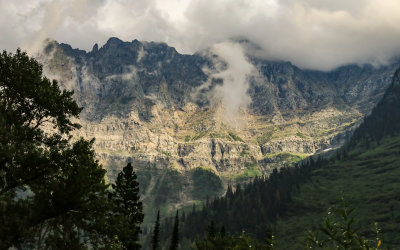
point(253, 207)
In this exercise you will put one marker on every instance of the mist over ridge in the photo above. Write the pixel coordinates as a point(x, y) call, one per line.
point(149, 101)
point(312, 34)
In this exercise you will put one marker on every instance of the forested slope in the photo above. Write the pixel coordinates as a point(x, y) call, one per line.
point(365, 172)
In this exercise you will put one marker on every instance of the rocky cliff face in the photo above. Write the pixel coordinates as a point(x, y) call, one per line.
point(163, 111)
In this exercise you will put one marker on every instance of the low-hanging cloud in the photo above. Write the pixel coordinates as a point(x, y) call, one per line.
point(228, 82)
point(235, 76)
point(315, 34)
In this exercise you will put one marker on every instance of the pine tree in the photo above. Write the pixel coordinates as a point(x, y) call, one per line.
point(129, 207)
point(183, 217)
point(211, 230)
point(175, 234)
point(229, 193)
point(222, 232)
point(194, 209)
point(156, 233)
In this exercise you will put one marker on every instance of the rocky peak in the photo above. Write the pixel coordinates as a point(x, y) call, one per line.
point(146, 103)
point(95, 48)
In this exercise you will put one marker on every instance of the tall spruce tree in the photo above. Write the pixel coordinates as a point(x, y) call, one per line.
point(175, 234)
point(156, 233)
point(129, 208)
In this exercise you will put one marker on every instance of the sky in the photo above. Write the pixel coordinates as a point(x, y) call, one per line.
point(312, 34)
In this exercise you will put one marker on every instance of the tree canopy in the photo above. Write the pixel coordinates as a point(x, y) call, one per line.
point(52, 189)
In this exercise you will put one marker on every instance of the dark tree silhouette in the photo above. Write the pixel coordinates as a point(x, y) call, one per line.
point(175, 234)
point(129, 208)
point(52, 190)
point(156, 233)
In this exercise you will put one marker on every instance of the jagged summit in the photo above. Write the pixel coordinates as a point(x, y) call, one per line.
point(163, 111)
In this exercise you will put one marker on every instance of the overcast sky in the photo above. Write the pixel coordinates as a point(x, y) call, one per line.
point(316, 34)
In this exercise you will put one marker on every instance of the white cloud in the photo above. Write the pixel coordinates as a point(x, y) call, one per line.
point(233, 91)
point(233, 72)
point(318, 34)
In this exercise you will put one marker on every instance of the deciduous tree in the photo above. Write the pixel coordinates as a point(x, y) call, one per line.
point(52, 190)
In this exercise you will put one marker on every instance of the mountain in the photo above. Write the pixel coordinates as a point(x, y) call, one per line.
point(384, 118)
point(367, 177)
point(222, 112)
point(293, 200)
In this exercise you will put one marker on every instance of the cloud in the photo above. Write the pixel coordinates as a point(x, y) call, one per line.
point(316, 34)
point(233, 70)
point(233, 91)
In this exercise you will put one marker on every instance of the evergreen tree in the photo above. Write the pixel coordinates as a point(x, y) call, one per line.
point(156, 233)
point(183, 217)
point(129, 208)
point(52, 190)
point(211, 230)
point(194, 209)
point(175, 234)
point(229, 193)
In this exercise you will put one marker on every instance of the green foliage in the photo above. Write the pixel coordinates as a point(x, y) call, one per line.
point(252, 171)
point(195, 137)
point(265, 137)
point(300, 134)
point(338, 232)
point(368, 178)
point(205, 183)
point(222, 241)
point(52, 190)
point(293, 199)
point(198, 136)
point(128, 207)
point(262, 200)
point(287, 158)
point(235, 137)
point(167, 187)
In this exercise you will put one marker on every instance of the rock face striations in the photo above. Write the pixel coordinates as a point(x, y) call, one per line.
point(221, 109)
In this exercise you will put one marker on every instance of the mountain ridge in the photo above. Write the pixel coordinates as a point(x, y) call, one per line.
point(281, 209)
point(148, 104)
point(365, 173)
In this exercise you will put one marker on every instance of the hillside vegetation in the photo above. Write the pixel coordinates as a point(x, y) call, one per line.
point(367, 176)
point(368, 180)
point(365, 173)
